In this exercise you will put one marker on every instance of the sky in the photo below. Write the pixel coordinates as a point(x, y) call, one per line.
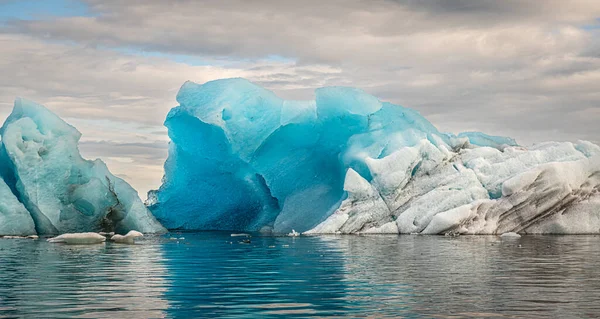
point(524, 69)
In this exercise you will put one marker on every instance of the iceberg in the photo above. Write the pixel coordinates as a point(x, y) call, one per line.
point(78, 239)
point(47, 188)
point(128, 238)
point(243, 159)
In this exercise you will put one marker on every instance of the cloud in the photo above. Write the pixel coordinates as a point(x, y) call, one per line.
point(326, 31)
point(512, 68)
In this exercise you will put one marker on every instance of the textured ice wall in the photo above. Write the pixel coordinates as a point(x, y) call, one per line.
point(241, 158)
point(44, 175)
point(549, 188)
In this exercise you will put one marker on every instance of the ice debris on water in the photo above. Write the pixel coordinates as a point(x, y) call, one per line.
point(127, 238)
point(14, 237)
point(78, 238)
point(243, 159)
point(510, 235)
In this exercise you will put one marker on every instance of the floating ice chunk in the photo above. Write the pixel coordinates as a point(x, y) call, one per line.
point(127, 238)
point(294, 233)
point(78, 238)
point(14, 237)
point(240, 235)
point(510, 235)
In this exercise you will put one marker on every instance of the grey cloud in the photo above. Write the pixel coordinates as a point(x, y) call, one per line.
point(310, 30)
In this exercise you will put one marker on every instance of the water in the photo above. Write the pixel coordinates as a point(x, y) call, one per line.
point(212, 275)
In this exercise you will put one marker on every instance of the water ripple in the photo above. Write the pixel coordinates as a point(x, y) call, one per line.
point(212, 275)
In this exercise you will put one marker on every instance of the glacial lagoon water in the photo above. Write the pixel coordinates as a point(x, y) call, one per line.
point(211, 274)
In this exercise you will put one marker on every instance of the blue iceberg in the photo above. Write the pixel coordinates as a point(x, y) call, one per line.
point(242, 158)
point(47, 188)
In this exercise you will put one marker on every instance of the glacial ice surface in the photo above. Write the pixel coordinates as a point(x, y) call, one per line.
point(14, 218)
point(48, 188)
point(243, 159)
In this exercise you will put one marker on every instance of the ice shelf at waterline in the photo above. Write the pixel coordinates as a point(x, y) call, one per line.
point(47, 188)
point(242, 158)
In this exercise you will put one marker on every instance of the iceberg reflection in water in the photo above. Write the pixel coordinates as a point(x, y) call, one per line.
point(212, 274)
point(44, 280)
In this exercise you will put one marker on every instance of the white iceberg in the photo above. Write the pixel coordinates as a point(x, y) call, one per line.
point(128, 238)
point(78, 238)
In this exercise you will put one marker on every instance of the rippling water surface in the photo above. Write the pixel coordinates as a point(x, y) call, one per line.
point(212, 274)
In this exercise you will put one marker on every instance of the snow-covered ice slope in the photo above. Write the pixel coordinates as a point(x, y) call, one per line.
point(241, 158)
point(549, 188)
point(48, 188)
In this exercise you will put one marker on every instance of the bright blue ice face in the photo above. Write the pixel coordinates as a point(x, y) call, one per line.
point(242, 158)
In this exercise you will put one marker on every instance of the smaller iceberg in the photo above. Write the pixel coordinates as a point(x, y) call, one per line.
point(78, 239)
point(128, 238)
point(47, 188)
